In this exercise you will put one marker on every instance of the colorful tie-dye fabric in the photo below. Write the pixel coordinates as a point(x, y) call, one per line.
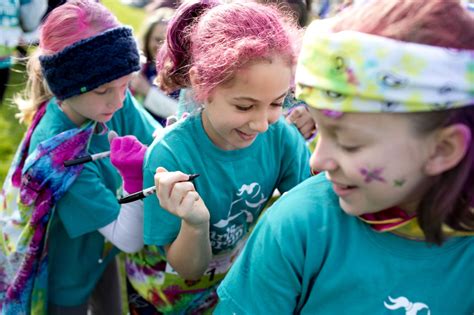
point(33, 185)
point(154, 279)
point(350, 71)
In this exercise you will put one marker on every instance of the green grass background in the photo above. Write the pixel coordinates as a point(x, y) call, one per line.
point(11, 132)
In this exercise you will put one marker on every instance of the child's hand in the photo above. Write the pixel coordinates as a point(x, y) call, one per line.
point(301, 118)
point(178, 196)
point(126, 154)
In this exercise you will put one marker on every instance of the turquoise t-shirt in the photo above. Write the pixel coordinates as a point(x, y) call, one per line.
point(78, 253)
point(306, 256)
point(235, 186)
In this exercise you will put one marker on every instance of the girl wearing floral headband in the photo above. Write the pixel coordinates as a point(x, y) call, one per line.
point(62, 226)
point(391, 88)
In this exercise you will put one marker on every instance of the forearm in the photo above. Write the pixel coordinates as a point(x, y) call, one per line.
point(190, 252)
point(126, 232)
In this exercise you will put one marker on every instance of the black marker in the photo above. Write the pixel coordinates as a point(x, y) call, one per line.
point(147, 192)
point(87, 158)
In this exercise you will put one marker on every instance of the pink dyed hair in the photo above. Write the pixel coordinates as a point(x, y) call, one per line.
point(73, 21)
point(218, 39)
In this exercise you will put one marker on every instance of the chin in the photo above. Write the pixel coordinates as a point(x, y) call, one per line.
point(351, 210)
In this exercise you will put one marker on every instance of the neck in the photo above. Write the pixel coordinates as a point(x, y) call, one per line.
point(73, 116)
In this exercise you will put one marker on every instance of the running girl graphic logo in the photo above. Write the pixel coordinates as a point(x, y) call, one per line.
point(242, 213)
point(410, 307)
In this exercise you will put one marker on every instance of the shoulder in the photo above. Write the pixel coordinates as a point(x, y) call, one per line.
point(312, 203)
point(51, 124)
point(282, 127)
point(285, 134)
point(173, 140)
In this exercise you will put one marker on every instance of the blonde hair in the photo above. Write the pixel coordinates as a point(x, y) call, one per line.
point(35, 93)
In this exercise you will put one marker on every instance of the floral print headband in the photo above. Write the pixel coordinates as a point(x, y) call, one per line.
point(351, 71)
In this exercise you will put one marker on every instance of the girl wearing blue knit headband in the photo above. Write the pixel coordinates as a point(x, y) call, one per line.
point(388, 226)
point(62, 226)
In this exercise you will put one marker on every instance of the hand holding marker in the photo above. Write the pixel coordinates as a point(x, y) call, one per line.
point(147, 192)
point(92, 157)
point(130, 198)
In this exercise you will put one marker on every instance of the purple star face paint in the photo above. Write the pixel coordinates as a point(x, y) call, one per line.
point(372, 175)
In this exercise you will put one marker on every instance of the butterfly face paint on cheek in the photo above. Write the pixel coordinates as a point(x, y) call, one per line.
point(372, 175)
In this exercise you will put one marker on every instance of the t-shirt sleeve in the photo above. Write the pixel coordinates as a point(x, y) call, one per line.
point(295, 158)
point(88, 204)
point(160, 227)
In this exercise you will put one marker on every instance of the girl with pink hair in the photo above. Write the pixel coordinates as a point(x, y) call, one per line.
point(238, 59)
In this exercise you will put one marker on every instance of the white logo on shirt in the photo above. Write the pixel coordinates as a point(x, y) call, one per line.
point(248, 202)
point(410, 308)
point(250, 198)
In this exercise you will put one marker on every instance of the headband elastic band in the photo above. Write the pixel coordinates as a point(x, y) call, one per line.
point(89, 63)
point(356, 72)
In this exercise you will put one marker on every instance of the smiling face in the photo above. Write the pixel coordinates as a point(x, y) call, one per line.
point(99, 104)
point(236, 112)
point(375, 161)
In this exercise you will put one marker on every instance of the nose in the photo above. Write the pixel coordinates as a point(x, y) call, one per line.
point(259, 122)
point(264, 118)
point(322, 158)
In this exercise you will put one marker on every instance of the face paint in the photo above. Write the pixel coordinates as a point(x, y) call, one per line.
point(371, 175)
point(384, 171)
point(332, 113)
point(399, 182)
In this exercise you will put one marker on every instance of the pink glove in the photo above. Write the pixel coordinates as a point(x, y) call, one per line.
point(126, 154)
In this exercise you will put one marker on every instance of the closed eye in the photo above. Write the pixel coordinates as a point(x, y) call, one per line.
point(243, 108)
point(100, 92)
point(350, 149)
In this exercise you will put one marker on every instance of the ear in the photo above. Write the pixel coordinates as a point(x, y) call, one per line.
point(195, 80)
point(193, 77)
point(451, 145)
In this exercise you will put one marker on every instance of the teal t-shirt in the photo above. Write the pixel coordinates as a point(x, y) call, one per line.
point(235, 186)
point(78, 253)
point(306, 256)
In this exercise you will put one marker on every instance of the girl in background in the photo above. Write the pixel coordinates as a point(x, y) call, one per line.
point(153, 99)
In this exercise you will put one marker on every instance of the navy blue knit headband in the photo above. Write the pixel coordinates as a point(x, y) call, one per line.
point(89, 63)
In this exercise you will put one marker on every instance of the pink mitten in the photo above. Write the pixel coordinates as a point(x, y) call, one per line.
point(126, 154)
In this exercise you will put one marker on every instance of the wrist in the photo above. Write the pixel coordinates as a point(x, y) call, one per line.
point(197, 228)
